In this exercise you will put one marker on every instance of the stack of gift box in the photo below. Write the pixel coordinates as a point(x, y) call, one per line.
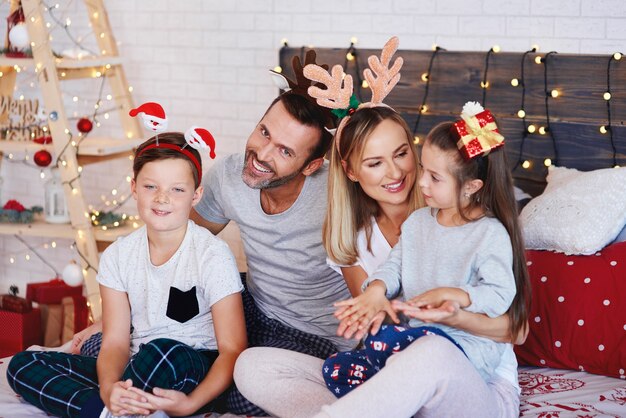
point(60, 311)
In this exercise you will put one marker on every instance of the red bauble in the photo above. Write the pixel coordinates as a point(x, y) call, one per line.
point(43, 140)
point(42, 158)
point(84, 125)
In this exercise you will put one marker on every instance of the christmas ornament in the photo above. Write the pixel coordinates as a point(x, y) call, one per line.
point(72, 274)
point(152, 115)
point(53, 116)
point(84, 125)
point(55, 205)
point(200, 138)
point(18, 36)
point(42, 158)
point(43, 140)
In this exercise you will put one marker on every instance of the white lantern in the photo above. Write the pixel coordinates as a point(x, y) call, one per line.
point(55, 206)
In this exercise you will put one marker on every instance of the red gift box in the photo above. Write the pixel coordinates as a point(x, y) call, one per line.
point(18, 331)
point(478, 134)
point(51, 292)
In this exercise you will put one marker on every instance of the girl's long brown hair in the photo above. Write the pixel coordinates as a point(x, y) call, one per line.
point(496, 199)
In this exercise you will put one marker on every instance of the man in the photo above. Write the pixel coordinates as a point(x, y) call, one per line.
point(276, 193)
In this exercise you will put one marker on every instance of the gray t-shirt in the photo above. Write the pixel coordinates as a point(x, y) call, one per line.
point(287, 271)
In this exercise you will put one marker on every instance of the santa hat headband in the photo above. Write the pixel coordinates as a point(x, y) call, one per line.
point(154, 119)
point(338, 92)
point(182, 150)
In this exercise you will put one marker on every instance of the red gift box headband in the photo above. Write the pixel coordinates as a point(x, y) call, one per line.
point(477, 131)
point(154, 119)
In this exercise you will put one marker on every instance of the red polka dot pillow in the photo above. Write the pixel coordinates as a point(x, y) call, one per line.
point(578, 212)
point(578, 313)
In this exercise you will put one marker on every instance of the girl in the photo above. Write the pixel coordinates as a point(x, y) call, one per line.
point(373, 184)
point(174, 285)
point(470, 251)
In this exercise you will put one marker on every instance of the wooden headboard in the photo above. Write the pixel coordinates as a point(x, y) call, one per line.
point(576, 115)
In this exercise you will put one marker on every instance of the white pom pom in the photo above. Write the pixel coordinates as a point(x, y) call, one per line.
point(72, 274)
point(471, 108)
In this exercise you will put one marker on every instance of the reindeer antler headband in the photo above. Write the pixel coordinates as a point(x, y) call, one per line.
point(339, 86)
point(302, 84)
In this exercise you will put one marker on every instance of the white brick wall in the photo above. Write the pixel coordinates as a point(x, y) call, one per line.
point(206, 62)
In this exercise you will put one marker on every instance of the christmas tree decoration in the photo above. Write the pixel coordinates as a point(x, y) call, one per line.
point(42, 158)
point(43, 140)
point(72, 274)
point(14, 212)
point(84, 125)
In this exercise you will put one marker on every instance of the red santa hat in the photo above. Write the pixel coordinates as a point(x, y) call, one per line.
point(151, 109)
point(200, 138)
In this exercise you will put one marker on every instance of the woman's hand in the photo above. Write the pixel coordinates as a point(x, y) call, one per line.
point(364, 312)
point(436, 297)
point(444, 312)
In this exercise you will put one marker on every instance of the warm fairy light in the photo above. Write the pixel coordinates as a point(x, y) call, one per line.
point(130, 89)
point(27, 257)
point(515, 82)
point(67, 131)
point(603, 129)
point(350, 56)
point(354, 40)
point(416, 139)
point(484, 84)
point(135, 225)
point(95, 15)
point(32, 19)
point(74, 191)
point(532, 128)
point(607, 96)
point(538, 59)
point(423, 109)
point(106, 115)
point(496, 48)
point(434, 47)
point(543, 130)
point(12, 260)
point(42, 175)
point(64, 163)
point(104, 227)
point(129, 135)
point(425, 77)
point(53, 244)
point(535, 47)
point(365, 84)
point(283, 42)
point(128, 179)
point(547, 162)
point(75, 98)
point(80, 168)
point(526, 164)
point(617, 56)
point(109, 97)
point(68, 21)
point(278, 69)
point(114, 192)
point(554, 93)
point(73, 144)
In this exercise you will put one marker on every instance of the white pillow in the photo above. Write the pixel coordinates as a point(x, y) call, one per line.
point(578, 213)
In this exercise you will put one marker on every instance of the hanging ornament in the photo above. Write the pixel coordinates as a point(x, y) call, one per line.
point(42, 158)
point(18, 36)
point(84, 125)
point(72, 274)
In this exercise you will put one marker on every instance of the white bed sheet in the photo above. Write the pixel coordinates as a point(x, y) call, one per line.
point(552, 393)
point(546, 393)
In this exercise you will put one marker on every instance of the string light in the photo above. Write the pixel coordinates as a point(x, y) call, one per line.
point(484, 84)
point(422, 108)
point(522, 113)
point(607, 97)
point(547, 97)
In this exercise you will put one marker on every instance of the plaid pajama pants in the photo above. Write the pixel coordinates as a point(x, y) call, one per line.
point(61, 384)
point(344, 371)
point(262, 332)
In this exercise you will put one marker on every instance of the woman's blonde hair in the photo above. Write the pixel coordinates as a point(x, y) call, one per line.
point(349, 207)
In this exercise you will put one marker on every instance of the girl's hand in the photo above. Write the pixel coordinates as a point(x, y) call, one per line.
point(447, 310)
point(172, 402)
point(358, 314)
point(122, 401)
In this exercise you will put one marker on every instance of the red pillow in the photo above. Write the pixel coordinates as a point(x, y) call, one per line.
point(578, 313)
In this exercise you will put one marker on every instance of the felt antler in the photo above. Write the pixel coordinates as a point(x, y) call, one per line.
point(387, 77)
point(302, 83)
point(338, 89)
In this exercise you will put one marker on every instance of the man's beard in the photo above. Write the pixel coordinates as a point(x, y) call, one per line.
point(251, 181)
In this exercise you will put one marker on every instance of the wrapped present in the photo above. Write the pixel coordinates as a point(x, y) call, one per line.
point(51, 292)
point(18, 331)
point(14, 303)
point(478, 134)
